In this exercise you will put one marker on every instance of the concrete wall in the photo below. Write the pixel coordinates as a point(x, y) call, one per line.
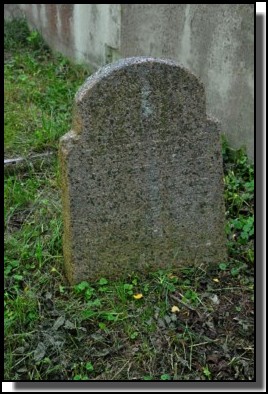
point(86, 33)
point(215, 41)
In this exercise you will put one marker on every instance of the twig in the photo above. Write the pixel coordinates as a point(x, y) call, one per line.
point(22, 359)
point(204, 343)
point(224, 288)
point(20, 159)
point(24, 333)
point(120, 370)
point(175, 374)
point(183, 303)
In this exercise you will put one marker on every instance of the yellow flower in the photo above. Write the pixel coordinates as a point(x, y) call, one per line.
point(216, 280)
point(175, 309)
point(138, 296)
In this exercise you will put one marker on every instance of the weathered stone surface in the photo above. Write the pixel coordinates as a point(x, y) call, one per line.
point(142, 173)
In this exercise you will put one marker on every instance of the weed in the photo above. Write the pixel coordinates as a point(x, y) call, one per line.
point(81, 370)
point(165, 376)
point(103, 281)
point(124, 291)
point(191, 296)
point(84, 290)
point(207, 372)
point(148, 377)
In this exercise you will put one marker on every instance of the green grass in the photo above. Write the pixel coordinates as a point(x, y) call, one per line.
point(39, 92)
point(102, 330)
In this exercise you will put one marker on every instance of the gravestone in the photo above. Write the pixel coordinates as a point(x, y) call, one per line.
point(142, 173)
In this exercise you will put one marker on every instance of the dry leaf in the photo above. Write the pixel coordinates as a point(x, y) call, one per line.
point(215, 299)
point(171, 276)
point(58, 323)
point(39, 352)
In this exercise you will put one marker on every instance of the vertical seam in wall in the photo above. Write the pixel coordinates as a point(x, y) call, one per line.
point(120, 29)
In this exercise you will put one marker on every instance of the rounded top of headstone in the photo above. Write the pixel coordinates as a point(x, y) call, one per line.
point(129, 63)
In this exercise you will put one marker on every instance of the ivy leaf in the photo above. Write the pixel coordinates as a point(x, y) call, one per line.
point(103, 281)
